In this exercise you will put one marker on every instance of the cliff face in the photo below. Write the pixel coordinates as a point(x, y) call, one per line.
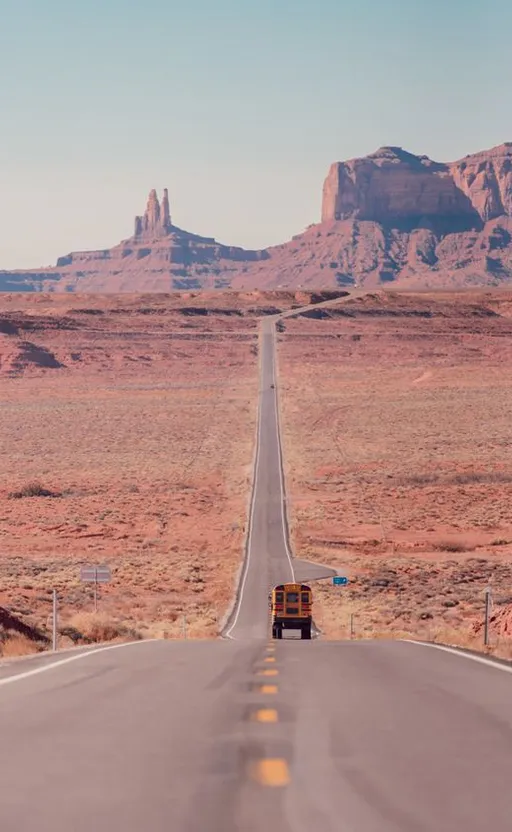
point(486, 179)
point(398, 189)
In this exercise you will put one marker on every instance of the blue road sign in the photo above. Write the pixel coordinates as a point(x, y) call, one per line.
point(339, 581)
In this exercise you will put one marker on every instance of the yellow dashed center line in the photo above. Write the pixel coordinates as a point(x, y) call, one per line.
point(271, 772)
point(268, 689)
point(265, 715)
point(269, 672)
point(269, 659)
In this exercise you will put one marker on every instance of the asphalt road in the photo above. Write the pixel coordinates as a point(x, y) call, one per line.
point(244, 735)
point(268, 557)
point(361, 736)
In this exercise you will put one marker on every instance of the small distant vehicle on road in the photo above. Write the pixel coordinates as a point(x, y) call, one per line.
point(290, 607)
point(272, 386)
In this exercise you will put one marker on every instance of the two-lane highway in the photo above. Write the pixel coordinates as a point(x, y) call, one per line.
point(356, 736)
point(245, 735)
point(268, 559)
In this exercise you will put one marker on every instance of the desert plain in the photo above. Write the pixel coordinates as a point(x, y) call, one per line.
point(127, 431)
point(126, 439)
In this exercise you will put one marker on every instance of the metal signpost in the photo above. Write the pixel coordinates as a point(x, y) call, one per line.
point(96, 575)
point(54, 621)
point(488, 604)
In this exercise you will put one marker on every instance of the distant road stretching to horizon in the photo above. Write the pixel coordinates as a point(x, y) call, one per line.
point(246, 735)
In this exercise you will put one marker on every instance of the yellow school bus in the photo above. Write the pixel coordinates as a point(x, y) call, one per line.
point(290, 606)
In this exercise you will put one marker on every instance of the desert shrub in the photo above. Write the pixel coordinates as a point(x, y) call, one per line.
point(464, 478)
point(453, 546)
point(475, 477)
point(418, 479)
point(505, 600)
point(73, 634)
point(32, 489)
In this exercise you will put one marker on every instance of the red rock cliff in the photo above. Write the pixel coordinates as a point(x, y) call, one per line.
point(486, 179)
point(397, 188)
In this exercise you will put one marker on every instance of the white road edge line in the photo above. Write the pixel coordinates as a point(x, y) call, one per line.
point(247, 559)
point(281, 469)
point(59, 663)
point(462, 654)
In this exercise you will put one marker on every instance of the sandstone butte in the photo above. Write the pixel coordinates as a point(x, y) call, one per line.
point(388, 217)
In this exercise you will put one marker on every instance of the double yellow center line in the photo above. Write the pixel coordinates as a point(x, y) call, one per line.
point(269, 771)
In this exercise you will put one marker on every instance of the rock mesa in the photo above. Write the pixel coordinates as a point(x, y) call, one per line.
point(398, 189)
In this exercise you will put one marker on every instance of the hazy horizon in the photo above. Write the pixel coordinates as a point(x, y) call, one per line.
point(239, 109)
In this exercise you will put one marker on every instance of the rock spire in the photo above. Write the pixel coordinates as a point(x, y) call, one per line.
point(156, 220)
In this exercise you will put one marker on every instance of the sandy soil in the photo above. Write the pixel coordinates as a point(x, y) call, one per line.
point(396, 416)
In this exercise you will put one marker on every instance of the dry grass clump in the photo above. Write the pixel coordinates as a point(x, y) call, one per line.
point(32, 489)
point(500, 647)
point(19, 645)
point(98, 627)
point(418, 480)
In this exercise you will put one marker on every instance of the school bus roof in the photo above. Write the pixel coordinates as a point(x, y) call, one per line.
point(292, 588)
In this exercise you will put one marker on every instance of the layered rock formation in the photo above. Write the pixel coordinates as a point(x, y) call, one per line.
point(486, 179)
point(390, 216)
point(398, 189)
point(159, 256)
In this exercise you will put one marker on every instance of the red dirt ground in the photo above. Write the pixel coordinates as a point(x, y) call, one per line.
point(397, 442)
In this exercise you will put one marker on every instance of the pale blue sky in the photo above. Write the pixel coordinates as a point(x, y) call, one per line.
point(238, 106)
